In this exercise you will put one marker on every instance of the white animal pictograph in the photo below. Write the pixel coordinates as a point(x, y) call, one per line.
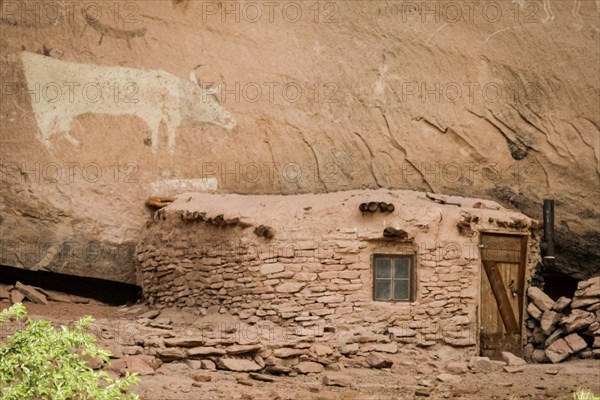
point(61, 90)
point(575, 11)
point(548, 11)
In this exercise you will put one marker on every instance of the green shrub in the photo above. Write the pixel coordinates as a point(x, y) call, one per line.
point(584, 394)
point(41, 362)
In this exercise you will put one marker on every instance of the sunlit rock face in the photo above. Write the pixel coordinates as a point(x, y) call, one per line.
point(139, 98)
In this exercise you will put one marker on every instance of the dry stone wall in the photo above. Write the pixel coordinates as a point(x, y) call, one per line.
point(567, 327)
point(204, 252)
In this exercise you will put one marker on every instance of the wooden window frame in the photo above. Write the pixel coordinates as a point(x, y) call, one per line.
point(412, 276)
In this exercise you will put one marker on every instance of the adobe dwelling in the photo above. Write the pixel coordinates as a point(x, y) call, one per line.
point(378, 270)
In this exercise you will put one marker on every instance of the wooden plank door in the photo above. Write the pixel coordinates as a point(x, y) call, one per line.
point(502, 291)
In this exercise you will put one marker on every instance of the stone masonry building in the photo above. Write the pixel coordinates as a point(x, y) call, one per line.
point(382, 269)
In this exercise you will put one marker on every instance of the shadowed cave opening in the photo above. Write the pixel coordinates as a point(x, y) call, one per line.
point(110, 292)
point(557, 284)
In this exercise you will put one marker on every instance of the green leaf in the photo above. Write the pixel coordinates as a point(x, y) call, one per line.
point(41, 362)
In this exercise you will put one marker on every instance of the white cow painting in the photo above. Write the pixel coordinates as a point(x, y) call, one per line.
point(62, 90)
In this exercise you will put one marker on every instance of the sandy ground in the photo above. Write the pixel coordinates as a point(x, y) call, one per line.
point(173, 381)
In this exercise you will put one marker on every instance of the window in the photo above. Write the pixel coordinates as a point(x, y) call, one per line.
point(393, 277)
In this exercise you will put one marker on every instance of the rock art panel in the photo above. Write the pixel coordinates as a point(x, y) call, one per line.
point(71, 89)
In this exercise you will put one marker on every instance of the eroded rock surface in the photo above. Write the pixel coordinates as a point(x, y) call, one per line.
point(349, 95)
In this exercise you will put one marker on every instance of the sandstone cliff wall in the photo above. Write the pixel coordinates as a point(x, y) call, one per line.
point(488, 99)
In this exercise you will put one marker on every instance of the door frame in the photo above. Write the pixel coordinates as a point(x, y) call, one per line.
point(524, 236)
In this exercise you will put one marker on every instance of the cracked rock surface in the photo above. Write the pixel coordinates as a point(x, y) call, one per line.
point(352, 95)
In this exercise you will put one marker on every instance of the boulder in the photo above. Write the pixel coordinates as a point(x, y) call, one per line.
point(185, 341)
point(333, 367)
point(557, 334)
point(482, 364)
point(286, 352)
point(528, 351)
point(289, 287)
point(115, 349)
point(278, 369)
point(194, 364)
point(92, 362)
point(201, 377)
point(575, 342)
point(261, 377)
point(449, 378)
point(243, 348)
point(272, 268)
point(237, 365)
point(142, 365)
point(512, 360)
point(205, 351)
point(208, 364)
point(4, 293)
point(16, 296)
point(588, 288)
point(534, 311)
point(171, 354)
point(594, 307)
point(558, 351)
point(457, 367)
point(423, 392)
point(139, 366)
point(259, 360)
point(244, 380)
point(321, 350)
point(514, 368)
point(349, 349)
point(308, 367)
point(539, 298)
point(582, 302)
point(577, 320)
point(376, 361)
point(561, 304)
point(594, 328)
point(31, 293)
point(337, 379)
point(549, 320)
point(59, 297)
point(380, 347)
point(132, 350)
point(256, 394)
point(539, 356)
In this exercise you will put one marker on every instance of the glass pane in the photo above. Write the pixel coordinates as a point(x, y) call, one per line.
point(383, 268)
point(402, 267)
point(382, 290)
point(401, 291)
